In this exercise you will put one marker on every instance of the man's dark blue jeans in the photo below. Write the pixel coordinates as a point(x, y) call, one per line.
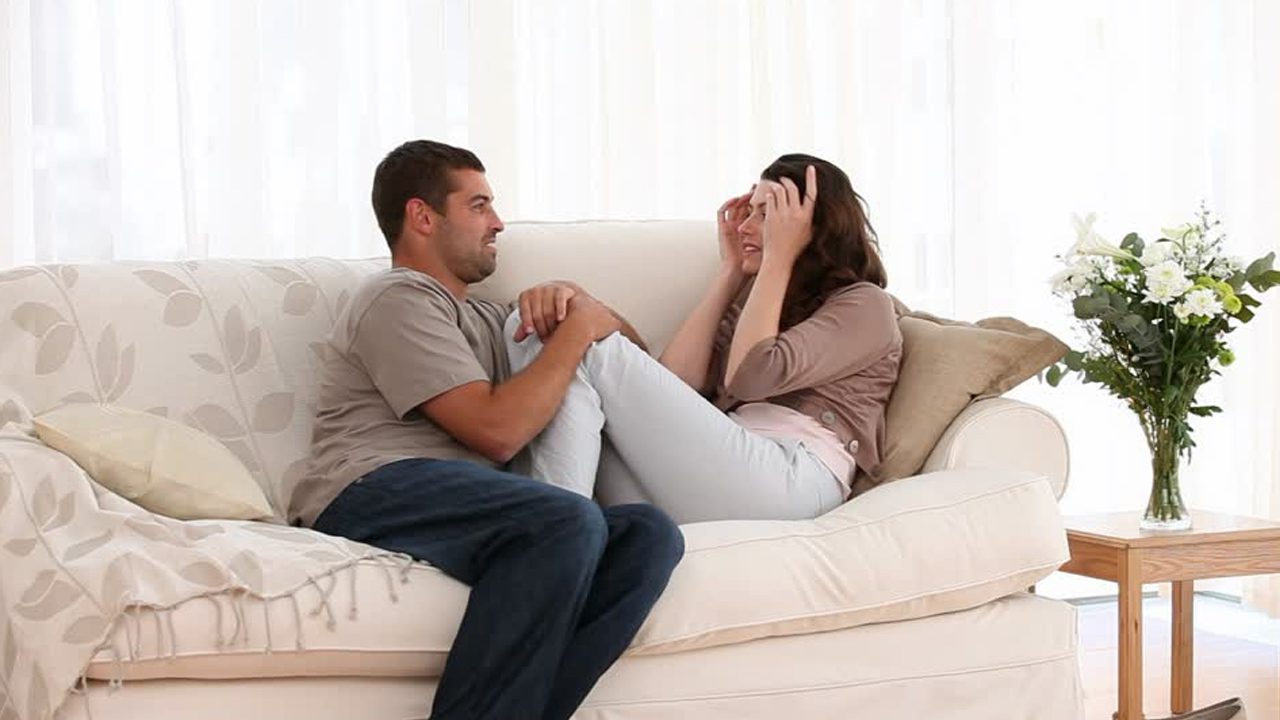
point(559, 586)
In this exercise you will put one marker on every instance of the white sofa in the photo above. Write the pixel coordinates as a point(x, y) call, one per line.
point(907, 602)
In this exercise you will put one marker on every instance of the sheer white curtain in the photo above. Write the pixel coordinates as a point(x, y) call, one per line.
point(168, 128)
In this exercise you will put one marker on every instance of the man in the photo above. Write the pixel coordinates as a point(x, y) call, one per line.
point(419, 412)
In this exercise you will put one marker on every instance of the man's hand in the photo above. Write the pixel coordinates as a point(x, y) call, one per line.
point(590, 317)
point(543, 307)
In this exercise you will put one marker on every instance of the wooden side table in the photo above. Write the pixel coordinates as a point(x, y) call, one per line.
point(1111, 547)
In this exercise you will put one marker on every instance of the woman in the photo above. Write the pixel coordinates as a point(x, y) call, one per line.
point(796, 339)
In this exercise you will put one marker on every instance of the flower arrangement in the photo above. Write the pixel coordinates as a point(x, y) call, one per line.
point(1156, 316)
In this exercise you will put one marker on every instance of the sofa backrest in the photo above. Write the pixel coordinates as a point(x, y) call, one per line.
point(232, 347)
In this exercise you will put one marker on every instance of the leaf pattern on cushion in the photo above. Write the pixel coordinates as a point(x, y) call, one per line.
point(21, 547)
point(242, 450)
point(182, 306)
point(252, 351)
point(317, 351)
point(182, 309)
point(161, 282)
point(11, 412)
point(54, 349)
point(44, 502)
point(66, 511)
point(84, 547)
point(153, 530)
point(115, 582)
point(79, 396)
point(88, 629)
point(9, 646)
point(16, 274)
point(217, 421)
point(208, 363)
point(52, 600)
point(299, 298)
point(37, 318)
point(203, 573)
point(56, 335)
point(39, 586)
point(115, 368)
point(299, 293)
point(273, 413)
point(248, 568)
point(233, 334)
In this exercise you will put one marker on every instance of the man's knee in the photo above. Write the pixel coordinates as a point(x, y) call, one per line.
point(577, 518)
point(653, 530)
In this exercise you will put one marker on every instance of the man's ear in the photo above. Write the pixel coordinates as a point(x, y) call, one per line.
point(419, 216)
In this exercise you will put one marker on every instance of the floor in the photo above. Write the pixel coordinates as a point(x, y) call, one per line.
point(1237, 653)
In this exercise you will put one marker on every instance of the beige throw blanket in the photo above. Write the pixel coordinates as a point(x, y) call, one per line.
point(74, 557)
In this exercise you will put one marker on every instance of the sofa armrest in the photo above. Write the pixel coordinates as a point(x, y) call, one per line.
point(1007, 434)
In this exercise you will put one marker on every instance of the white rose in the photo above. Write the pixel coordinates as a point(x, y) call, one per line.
point(1225, 267)
point(1158, 252)
point(1162, 292)
point(1168, 271)
point(1203, 302)
point(1077, 277)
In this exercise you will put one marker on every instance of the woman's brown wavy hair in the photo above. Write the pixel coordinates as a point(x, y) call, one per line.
point(844, 249)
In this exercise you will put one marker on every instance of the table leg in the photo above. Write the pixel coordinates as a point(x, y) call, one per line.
point(1130, 666)
point(1183, 645)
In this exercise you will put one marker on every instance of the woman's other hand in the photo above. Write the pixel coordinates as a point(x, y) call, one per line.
point(730, 215)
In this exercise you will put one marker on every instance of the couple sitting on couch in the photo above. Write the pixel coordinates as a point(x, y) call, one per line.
point(473, 436)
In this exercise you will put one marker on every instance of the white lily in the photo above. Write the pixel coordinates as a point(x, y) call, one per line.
point(1088, 242)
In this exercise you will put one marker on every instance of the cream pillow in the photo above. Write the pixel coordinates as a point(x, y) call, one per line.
point(946, 364)
point(162, 465)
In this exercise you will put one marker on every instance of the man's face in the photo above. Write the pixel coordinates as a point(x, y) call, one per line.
point(469, 228)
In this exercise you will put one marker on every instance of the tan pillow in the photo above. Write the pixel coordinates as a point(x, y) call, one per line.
point(162, 465)
point(947, 364)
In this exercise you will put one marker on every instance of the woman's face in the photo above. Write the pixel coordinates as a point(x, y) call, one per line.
point(750, 231)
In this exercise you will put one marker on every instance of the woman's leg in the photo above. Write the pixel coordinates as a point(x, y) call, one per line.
point(691, 459)
point(567, 451)
point(616, 484)
point(682, 453)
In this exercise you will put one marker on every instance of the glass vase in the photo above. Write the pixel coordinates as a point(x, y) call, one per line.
point(1165, 509)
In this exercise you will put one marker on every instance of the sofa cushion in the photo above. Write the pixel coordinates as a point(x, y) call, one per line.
point(946, 364)
point(1012, 658)
point(161, 465)
point(926, 545)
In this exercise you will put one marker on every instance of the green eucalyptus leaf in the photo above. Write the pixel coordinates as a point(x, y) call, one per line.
point(1260, 266)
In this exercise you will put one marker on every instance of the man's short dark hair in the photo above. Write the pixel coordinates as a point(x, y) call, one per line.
point(416, 169)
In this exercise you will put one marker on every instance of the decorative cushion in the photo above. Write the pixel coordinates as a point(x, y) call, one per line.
point(163, 466)
point(947, 364)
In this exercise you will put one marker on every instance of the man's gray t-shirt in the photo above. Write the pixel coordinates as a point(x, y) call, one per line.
point(402, 340)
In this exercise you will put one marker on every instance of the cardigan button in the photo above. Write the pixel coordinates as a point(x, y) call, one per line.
point(853, 447)
point(828, 417)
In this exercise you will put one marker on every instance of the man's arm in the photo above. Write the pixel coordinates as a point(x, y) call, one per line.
point(497, 421)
